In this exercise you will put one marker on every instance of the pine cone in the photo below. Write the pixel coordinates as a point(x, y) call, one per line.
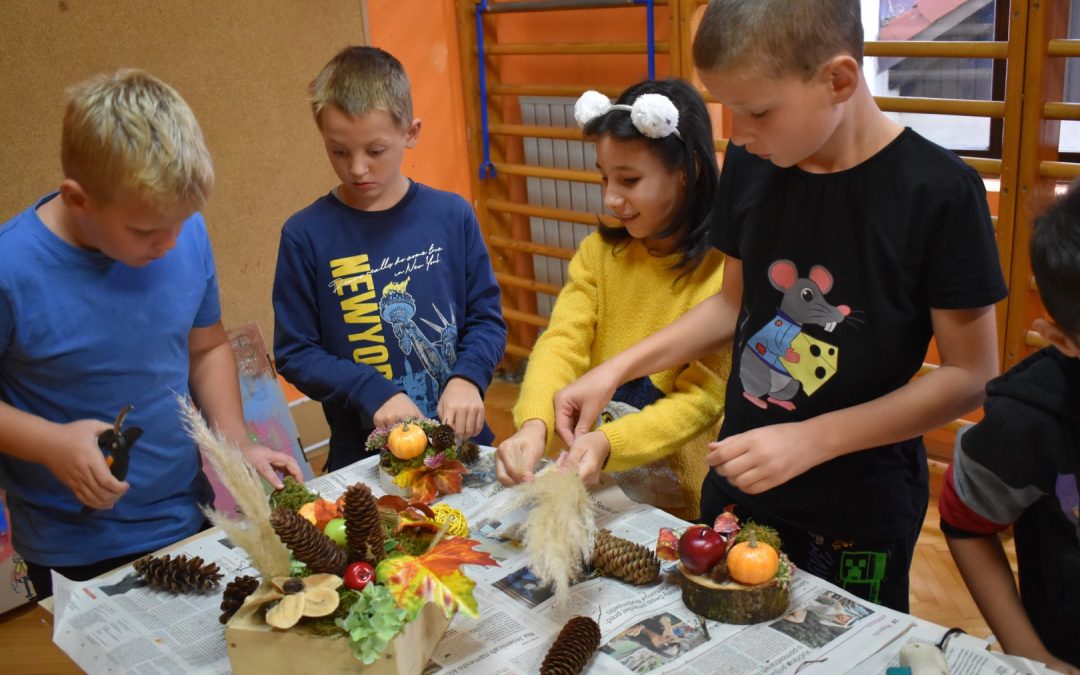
point(623, 559)
point(443, 437)
point(573, 648)
point(469, 453)
point(363, 526)
point(308, 545)
point(179, 575)
point(236, 591)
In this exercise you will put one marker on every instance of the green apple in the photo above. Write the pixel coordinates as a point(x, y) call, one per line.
point(335, 529)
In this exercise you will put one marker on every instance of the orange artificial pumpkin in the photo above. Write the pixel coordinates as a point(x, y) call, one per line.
point(752, 562)
point(407, 441)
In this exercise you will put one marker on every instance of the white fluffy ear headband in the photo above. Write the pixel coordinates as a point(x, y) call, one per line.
point(654, 115)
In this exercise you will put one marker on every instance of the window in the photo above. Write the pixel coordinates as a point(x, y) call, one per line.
point(949, 78)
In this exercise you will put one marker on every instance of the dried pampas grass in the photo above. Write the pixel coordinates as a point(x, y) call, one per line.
point(560, 528)
point(252, 530)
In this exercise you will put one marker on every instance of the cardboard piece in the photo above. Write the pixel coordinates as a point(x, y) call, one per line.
point(255, 648)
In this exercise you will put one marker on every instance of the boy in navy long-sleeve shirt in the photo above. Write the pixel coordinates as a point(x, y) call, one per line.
point(385, 303)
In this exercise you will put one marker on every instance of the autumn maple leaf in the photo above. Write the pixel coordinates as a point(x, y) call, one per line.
point(435, 577)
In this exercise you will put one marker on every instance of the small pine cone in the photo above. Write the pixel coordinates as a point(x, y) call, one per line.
point(363, 526)
point(179, 575)
point(309, 546)
point(469, 453)
point(236, 591)
point(623, 559)
point(573, 648)
point(443, 437)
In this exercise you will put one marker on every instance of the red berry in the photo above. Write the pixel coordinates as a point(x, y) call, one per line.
point(358, 575)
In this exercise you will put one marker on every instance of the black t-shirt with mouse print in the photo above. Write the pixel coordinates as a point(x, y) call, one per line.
point(840, 272)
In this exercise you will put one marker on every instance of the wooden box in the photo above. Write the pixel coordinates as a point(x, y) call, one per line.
point(257, 649)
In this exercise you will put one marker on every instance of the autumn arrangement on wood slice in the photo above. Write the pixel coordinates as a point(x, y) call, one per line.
point(730, 572)
point(356, 569)
point(421, 458)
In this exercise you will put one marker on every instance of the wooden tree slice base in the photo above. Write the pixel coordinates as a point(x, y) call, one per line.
point(730, 601)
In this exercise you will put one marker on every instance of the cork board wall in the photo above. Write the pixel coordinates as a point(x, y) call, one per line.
point(242, 65)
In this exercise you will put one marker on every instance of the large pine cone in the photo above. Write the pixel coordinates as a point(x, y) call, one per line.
point(573, 648)
point(179, 575)
point(443, 437)
point(236, 591)
point(309, 546)
point(623, 559)
point(363, 526)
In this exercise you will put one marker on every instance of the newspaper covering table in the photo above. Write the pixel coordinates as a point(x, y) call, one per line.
point(116, 624)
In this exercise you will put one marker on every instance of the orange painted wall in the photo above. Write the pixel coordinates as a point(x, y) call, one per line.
point(422, 34)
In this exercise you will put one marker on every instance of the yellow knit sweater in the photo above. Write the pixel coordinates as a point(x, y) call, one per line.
point(612, 300)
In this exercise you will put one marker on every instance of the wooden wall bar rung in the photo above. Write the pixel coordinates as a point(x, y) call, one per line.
point(1059, 170)
point(987, 167)
point(1061, 111)
point(529, 247)
point(1063, 48)
point(549, 5)
point(929, 49)
point(517, 350)
point(549, 48)
point(1035, 340)
point(532, 131)
point(524, 317)
point(544, 172)
point(583, 217)
point(530, 284)
point(569, 90)
point(941, 106)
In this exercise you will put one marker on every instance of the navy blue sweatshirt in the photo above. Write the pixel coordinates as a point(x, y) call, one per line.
point(368, 304)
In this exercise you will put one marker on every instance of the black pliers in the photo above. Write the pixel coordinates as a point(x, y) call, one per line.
point(116, 444)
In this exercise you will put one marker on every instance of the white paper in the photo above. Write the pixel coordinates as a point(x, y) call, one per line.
point(114, 624)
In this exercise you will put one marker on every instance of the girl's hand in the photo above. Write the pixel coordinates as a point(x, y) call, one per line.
point(762, 458)
point(516, 457)
point(578, 404)
point(589, 453)
point(267, 463)
point(76, 460)
point(397, 407)
point(461, 407)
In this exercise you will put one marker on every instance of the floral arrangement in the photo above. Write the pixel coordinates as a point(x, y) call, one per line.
point(424, 457)
point(356, 568)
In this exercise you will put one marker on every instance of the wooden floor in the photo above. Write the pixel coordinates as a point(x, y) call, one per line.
point(937, 591)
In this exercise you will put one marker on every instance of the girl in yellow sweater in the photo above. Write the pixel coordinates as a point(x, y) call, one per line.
point(654, 151)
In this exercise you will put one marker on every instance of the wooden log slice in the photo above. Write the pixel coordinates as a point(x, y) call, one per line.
point(730, 601)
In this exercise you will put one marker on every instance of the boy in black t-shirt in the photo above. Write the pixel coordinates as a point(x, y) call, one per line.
point(850, 242)
point(1021, 466)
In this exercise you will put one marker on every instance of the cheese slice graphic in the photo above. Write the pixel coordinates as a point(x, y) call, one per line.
point(817, 362)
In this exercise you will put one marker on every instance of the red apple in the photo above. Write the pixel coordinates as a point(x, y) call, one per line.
point(701, 548)
point(358, 575)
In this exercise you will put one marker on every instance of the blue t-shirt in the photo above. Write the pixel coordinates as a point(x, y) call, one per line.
point(371, 303)
point(81, 336)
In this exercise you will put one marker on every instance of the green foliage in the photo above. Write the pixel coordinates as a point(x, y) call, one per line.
point(762, 533)
point(784, 571)
point(372, 622)
point(292, 496)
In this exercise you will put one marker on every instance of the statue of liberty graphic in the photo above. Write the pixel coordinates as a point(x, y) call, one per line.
point(398, 308)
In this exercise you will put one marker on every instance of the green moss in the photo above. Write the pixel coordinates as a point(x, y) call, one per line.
point(292, 496)
point(762, 533)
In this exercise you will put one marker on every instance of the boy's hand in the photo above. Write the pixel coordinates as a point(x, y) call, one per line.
point(578, 404)
point(267, 463)
point(516, 457)
point(397, 407)
point(757, 460)
point(78, 463)
point(461, 407)
point(1057, 665)
point(589, 453)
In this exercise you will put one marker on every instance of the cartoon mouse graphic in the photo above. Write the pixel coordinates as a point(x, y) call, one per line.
point(772, 368)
